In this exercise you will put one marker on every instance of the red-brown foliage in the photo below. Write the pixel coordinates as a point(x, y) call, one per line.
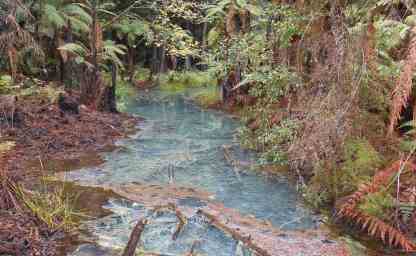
point(376, 227)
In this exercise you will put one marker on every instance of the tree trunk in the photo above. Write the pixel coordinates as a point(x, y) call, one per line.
point(188, 61)
point(62, 70)
point(130, 60)
point(69, 65)
point(94, 35)
point(174, 62)
point(204, 42)
point(162, 68)
point(155, 65)
point(106, 100)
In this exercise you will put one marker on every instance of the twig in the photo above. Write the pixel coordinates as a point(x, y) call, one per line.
point(123, 13)
point(182, 222)
point(192, 250)
point(231, 161)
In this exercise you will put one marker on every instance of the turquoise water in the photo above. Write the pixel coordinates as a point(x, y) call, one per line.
point(183, 145)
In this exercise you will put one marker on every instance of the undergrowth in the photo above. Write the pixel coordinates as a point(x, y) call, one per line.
point(207, 96)
point(179, 81)
point(142, 74)
point(330, 182)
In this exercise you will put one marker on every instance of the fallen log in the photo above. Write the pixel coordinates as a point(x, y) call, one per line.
point(247, 241)
point(182, 220)
point(134, 238)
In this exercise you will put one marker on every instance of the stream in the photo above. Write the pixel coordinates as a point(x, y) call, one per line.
point(190, 157)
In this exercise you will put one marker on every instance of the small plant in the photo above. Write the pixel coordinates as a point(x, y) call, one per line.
point(5, 83)
point(142, 74)
point(6, 146)
point(377, 204)
point(54, 208)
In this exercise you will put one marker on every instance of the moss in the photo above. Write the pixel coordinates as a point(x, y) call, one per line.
point(142, 74)
point(319, 193)
point(361, 161)
point(354, 247)
point(377, 204)
point(5, 83)
point(333, 180)
point(374, 100)
point(207, 97)
point(179, 81)
point(406, 145)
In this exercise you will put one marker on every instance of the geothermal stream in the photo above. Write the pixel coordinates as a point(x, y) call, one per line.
point(185, 173)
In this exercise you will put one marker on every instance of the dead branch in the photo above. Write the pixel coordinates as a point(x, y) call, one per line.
point(192, 250)
point(182, 222)
point(134, 238)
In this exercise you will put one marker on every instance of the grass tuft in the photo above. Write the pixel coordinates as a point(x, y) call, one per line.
point(55, 208)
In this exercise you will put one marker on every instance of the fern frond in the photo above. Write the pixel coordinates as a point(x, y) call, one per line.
point(76, 49)
point(111, 52)
point(378, 228)
point(375, 226)
point(77, 11)
point(53, 16)
point(403, 87)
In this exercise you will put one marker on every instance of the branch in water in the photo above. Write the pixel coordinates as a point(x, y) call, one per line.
point(134, 238)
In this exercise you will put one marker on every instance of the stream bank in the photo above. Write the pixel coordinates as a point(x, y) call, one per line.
point(40, 132)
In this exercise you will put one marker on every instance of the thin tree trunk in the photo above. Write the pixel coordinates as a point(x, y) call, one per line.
point(155, 66)
point(69, 66)
point(162, 68)
point(188, 61)
point(112, 95)
point(130, 60)
point(204, 42)
point(94, 35)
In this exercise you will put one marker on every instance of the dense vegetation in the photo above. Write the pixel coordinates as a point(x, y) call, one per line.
point(324, 87)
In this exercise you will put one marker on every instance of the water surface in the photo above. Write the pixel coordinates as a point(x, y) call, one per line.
point(183, 145)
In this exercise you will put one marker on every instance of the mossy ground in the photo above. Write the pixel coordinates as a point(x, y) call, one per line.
point(359, 162)
point(177, 80)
